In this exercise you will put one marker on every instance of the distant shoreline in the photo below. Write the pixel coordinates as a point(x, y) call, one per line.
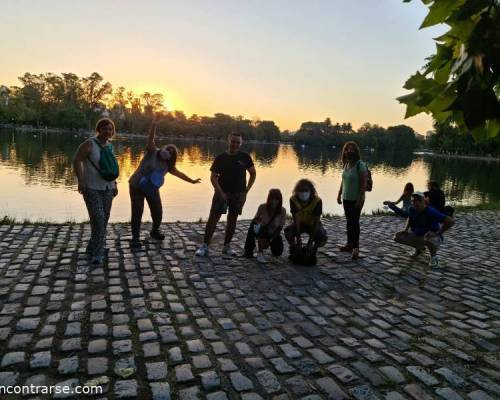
point(457, 156)
point(84, 132)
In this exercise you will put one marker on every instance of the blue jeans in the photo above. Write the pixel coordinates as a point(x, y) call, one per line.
point(397, 210)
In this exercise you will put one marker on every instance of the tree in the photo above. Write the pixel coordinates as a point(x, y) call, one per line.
point(461, 81)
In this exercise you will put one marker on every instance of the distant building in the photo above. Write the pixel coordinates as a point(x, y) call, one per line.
point(4, 95)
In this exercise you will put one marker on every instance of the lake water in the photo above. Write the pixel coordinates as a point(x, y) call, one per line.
point(38, 181)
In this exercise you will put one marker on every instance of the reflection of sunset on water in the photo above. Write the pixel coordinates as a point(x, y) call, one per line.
point(36, 170)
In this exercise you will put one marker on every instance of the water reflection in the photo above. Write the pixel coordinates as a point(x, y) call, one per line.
point(36, 170)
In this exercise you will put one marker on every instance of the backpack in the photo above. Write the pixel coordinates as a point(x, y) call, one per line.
point(108, 166)
point(303, 257)
point(369, 180)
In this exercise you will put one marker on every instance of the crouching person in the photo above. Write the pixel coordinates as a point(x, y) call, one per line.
point(266, 227)
point(424, 228)
point(306, 208)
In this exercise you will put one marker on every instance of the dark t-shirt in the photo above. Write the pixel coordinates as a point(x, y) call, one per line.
point(318, 210)
point(436, 199)
point(232, 171)
point(425, 221)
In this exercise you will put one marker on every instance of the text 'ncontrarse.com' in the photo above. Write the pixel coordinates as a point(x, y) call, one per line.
point(45, 389)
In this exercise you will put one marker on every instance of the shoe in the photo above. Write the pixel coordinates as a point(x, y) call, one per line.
point(248, 255)
point(346, 249)
point(355, 253)
point(261, 259)
point(434, 262)
point(202, 251)
point(228, 251)
point(157, 235)
point(135, 244)
point(415, 253)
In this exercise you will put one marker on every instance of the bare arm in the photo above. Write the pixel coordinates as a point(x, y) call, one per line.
point(183, 176)
point(339, 195)
point(80, 156)
point(362, 188)
point(253, 175)
point(447, 224)
point(214, 179)
point(151, 145)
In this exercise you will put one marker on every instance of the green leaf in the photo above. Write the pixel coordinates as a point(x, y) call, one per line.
point(439, 11)
point(493, 127)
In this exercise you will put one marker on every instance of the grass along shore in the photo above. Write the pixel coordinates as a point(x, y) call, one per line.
point(8, 220)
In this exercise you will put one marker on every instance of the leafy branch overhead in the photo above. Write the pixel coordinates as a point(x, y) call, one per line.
point(461, 82)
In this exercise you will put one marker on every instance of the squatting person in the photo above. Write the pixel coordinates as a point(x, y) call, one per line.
point(424, 228)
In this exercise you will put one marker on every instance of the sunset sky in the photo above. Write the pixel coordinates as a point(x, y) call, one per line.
point(285, 60)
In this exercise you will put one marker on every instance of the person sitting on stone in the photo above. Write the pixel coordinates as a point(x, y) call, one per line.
point(405, 198)
point(266, 227)
point(424, 228)
point(306, 208)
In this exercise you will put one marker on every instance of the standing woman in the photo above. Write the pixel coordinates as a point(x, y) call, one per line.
point(352, 194)
point(146, 181)
point(96, 169)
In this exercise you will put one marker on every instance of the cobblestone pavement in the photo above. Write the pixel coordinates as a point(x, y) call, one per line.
point(163, 324)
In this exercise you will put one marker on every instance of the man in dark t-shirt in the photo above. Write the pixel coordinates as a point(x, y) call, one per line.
point(228, 177)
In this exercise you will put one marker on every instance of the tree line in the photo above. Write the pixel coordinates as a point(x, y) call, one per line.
point(72, 102)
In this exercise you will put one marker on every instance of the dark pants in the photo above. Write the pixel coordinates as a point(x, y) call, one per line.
point(319, 237)
point(137, 197)
point(352, 214)
point(98, 204)
point(397, 210)
point(276, 243)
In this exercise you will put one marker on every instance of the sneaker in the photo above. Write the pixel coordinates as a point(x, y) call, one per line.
point(261, 259)
point(228, 251)
point(202, 251)
point(135, 244)
point(415, 253)
point(434, 262)
point(346, 249)
point(157, 235)
point(97, 260)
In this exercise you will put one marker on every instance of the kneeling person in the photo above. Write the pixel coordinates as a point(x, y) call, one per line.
point(424, 228)
point(306, 208)
point(266, 227)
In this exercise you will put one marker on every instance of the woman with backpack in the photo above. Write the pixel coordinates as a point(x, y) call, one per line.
point(352, 194)
point(146, 181)
point(96, 169)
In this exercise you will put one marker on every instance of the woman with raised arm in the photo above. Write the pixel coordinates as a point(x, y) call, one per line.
point(352, 194)
point(96, 169)
point(146, 181)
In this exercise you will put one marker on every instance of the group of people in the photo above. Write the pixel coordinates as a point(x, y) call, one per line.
point(96, 170)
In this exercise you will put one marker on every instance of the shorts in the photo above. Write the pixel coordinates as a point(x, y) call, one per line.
point(234, 204)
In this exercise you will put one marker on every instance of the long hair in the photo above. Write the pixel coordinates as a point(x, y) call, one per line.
point(173, 155)
point(274, 194)
point(305, 183)
point(343, 155)
point(104, 122)
point(409, 189)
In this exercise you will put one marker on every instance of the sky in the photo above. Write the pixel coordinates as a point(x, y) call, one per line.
point(284, 60)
